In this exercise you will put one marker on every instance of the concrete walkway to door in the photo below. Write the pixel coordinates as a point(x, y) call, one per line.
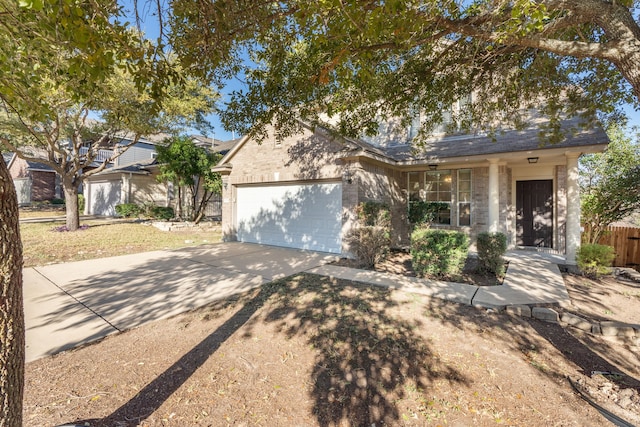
point(70, 304)
point(532, 279)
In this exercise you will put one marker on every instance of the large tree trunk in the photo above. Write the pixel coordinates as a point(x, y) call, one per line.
point(620, 25)
point(11, 311)
point(71, 203)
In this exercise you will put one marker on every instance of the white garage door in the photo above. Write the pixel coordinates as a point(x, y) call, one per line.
point(304, 216)
point(23, 190)
point(103, 197)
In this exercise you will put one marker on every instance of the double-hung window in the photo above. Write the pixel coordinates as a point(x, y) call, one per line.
point(438, 190)
point(464, 197)
point(449, 190)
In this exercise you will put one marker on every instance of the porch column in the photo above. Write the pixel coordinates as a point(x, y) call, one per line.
point(125, 190)
point(86, 188)
point(573, 209)
point(494, 196)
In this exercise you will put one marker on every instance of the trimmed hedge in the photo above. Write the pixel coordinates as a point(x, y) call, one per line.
point(595, 260)
point(369, 241)
point(438, 253)
point(161, 212)
point(491, 248)
point(128, 210)
point(421, 212)
point(369, 244)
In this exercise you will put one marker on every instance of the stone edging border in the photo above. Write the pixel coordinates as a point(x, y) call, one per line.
point(630, 334)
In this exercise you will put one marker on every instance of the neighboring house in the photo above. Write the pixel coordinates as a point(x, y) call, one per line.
point(130, 178)
point(34, 182)
point(214, 145)
point(133, 178)
point(302, 192)
point(132, 183)
point(144, 149)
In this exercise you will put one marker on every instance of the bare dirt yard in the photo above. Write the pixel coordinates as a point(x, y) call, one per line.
point(312, 351)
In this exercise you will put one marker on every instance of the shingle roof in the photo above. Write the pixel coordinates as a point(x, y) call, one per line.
point(7, 157)
point(139, 167)
point(216, 145)
point(33, 165)
point(39, 166)
point(473, 145)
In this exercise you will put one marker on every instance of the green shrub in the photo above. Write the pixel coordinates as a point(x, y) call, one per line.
point(80, 203)
point(373, 214)
point(161, 212)
point(438, 253)
point(491, 248)
point(369, 244)
point(421, 212)
point(595, 260)
point(57, 201)
point(128, 210)
point(369, 241)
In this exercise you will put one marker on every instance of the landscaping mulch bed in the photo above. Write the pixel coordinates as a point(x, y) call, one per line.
point(399, 262)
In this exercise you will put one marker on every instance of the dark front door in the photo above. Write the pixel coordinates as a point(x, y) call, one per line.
point(534, 206)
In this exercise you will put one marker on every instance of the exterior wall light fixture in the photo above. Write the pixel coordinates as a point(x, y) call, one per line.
point(347, 176)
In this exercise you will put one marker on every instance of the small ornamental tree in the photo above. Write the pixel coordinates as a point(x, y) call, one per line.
point(188, 167)
point(609, 184)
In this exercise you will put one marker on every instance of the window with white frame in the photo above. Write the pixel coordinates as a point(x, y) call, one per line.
point(464, 197)
point(439, 187)
point(453, 116)
point(438, 190)
point(416, 186)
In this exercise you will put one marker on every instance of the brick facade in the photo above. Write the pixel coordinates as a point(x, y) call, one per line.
point(304, 158)
point(42, 183)
point(315, 157)
point(146, 189)
point(384, 184)
point(43, 186)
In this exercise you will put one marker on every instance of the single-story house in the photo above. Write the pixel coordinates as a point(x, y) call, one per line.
point(302, 191)
point(34, 182)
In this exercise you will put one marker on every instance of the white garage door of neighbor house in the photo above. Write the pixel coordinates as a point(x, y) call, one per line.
point(103, 197)
point(303, 216)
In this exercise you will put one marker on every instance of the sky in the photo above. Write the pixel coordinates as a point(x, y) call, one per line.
point(150, 27)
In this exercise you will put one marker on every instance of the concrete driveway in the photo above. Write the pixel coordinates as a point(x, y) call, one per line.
point(70, 304)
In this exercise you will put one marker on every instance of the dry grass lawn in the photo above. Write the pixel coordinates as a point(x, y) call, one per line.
point(311, 351)
point(42, 244)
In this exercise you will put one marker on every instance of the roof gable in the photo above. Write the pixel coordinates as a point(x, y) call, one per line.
point(7, 157)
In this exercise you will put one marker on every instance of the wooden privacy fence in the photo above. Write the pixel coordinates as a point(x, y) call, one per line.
point(626, 243)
